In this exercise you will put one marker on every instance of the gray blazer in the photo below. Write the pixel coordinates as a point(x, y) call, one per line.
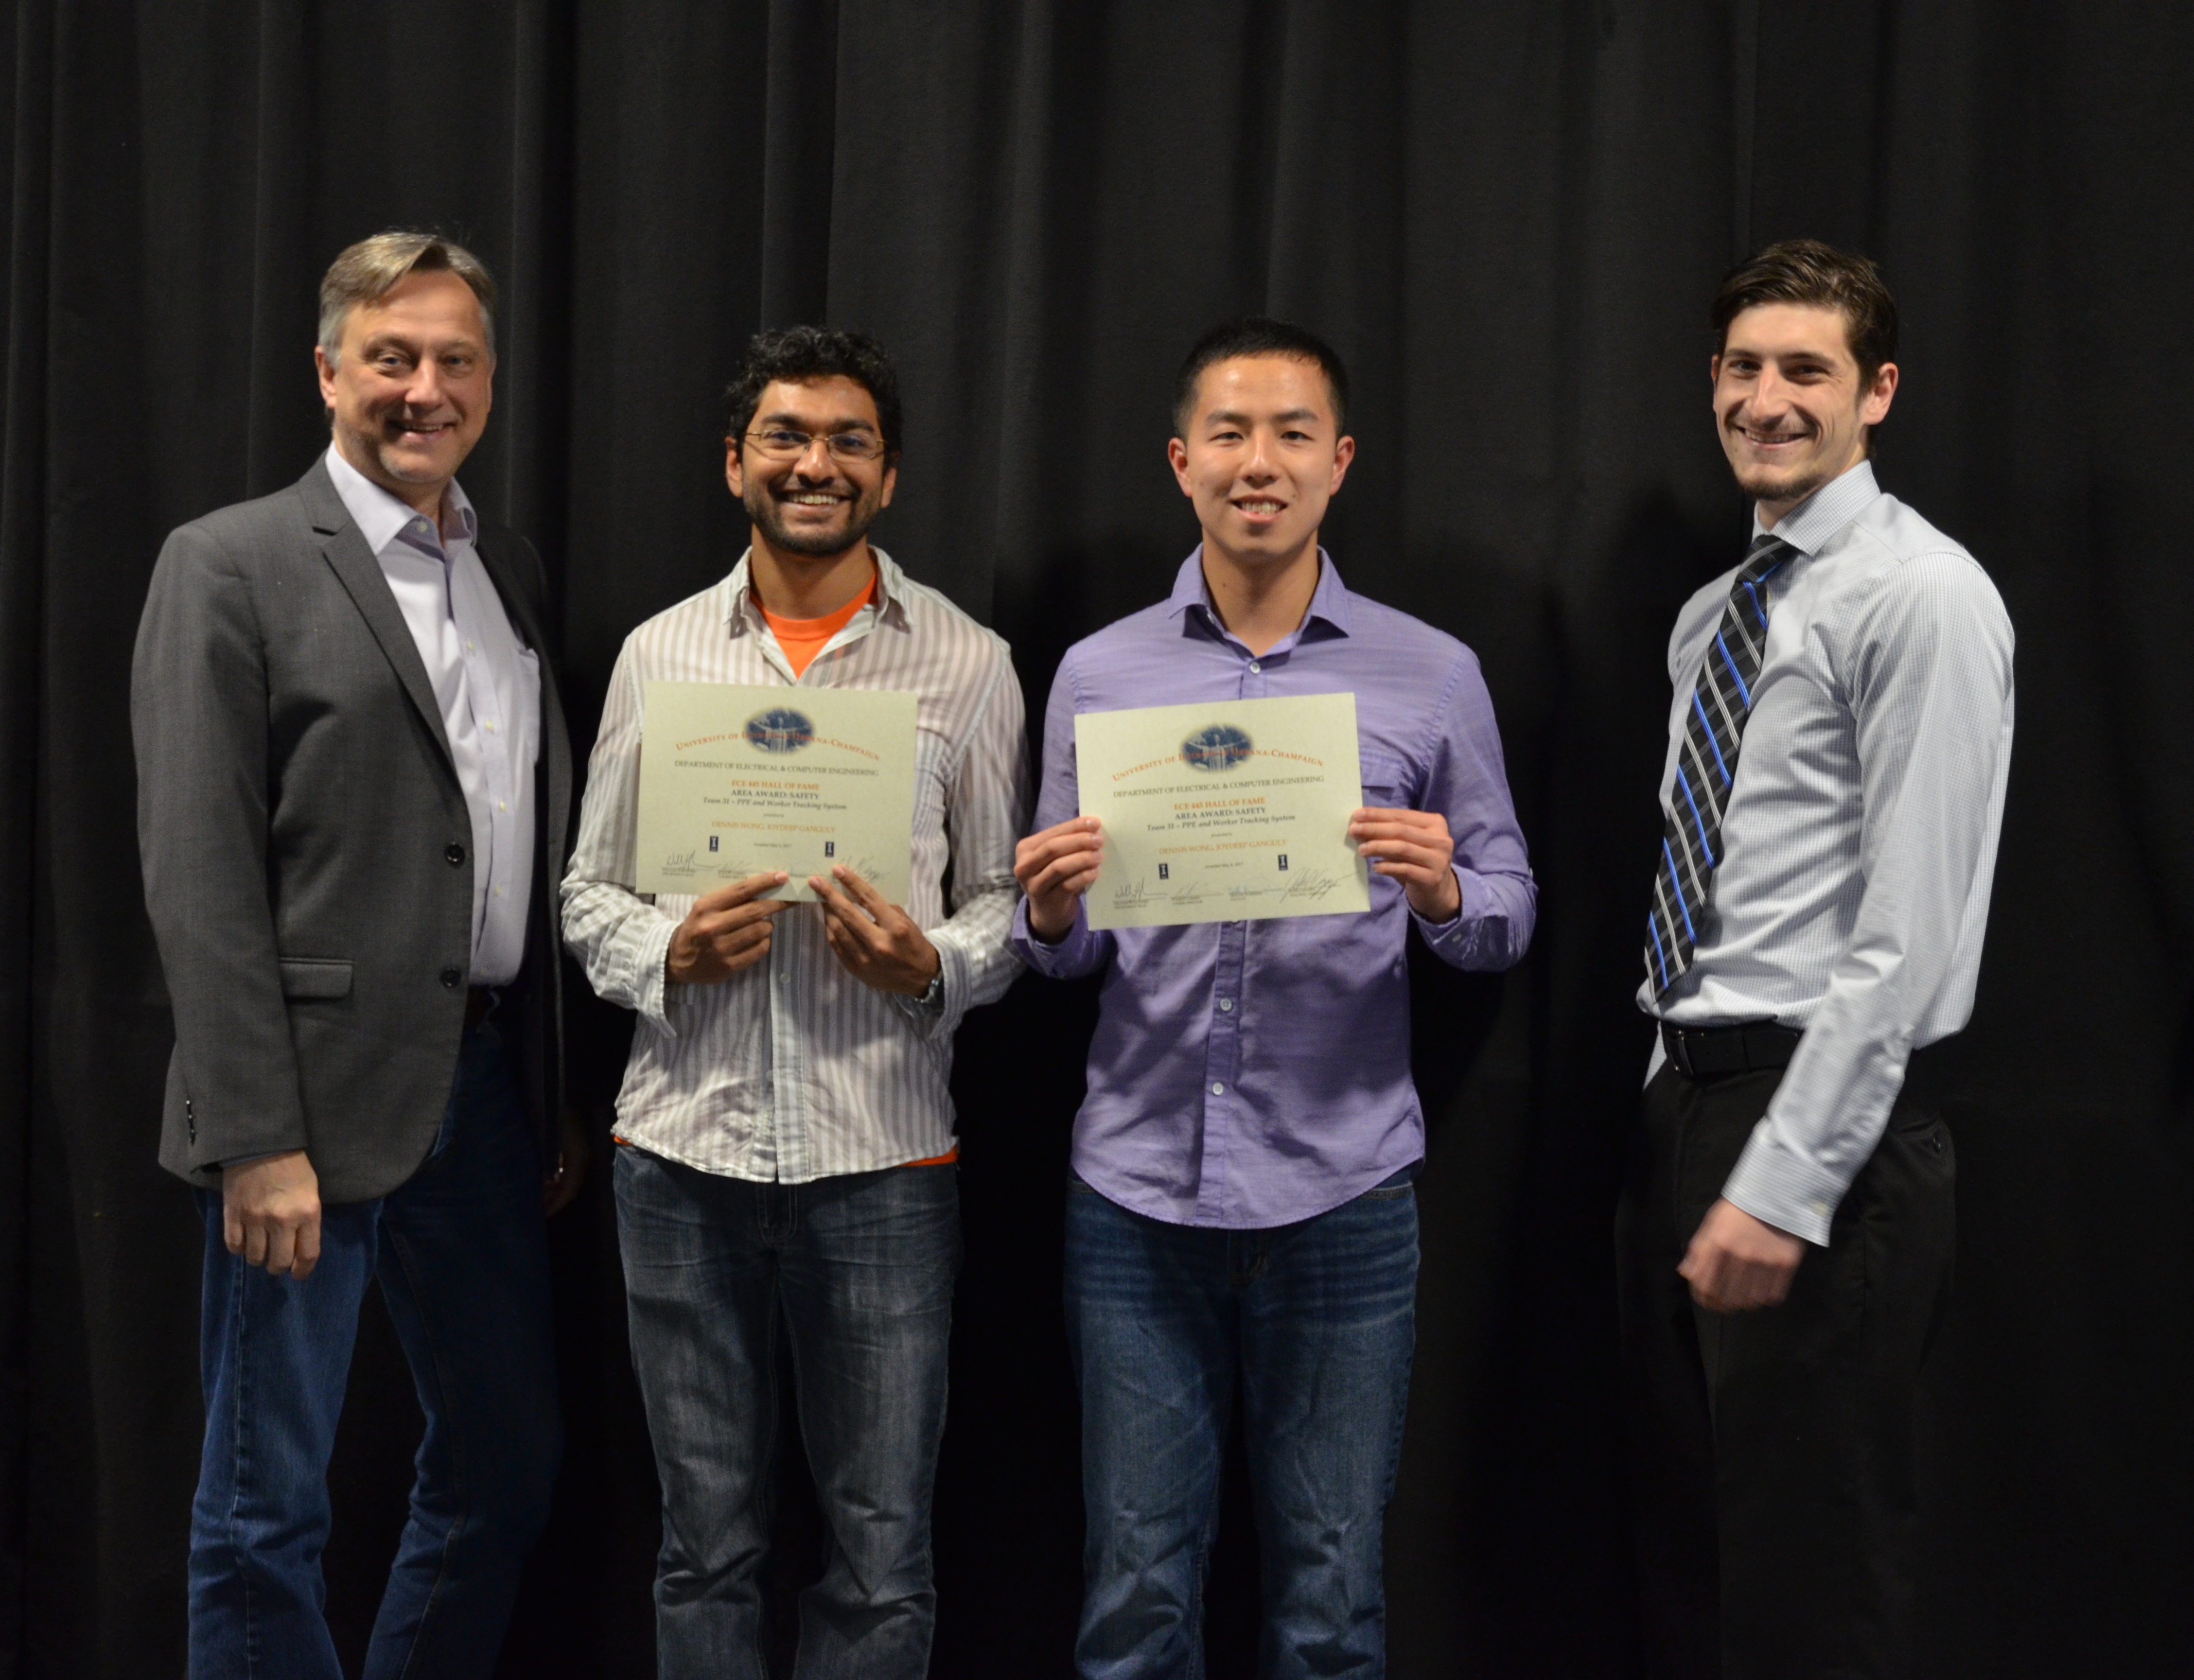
point(306, 848)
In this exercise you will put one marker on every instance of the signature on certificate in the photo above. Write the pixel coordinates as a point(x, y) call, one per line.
point(1312, 884)
point(681, 863)
point(1130, 894)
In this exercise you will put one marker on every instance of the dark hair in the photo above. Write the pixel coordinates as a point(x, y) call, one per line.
point(798, 354)
point(1258, 335)
point(1806, 271)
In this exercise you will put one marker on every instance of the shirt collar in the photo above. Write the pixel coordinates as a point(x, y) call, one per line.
point(741, 612)
point(1818, 519)
point(1329, 601)
point(383, 519)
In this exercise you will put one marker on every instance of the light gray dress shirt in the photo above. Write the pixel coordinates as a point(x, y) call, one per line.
point(793, 1070)
point(1860, 836)
point(487, 685)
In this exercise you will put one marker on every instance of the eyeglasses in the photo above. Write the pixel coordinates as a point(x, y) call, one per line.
point(787, 445)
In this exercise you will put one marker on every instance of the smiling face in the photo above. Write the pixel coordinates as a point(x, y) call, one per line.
point(814, 503)
point(410, 391)
point(1789, 403)
point(1260, 455)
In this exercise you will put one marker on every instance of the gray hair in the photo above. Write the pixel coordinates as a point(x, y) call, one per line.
point(373, 268)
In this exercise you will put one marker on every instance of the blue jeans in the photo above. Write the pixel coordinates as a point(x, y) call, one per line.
point(461, 1255)
point(1317, 1322)
point(861, 1267)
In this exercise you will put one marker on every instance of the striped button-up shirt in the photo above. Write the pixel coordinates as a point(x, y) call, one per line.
point(793, 1070)
point(1860, 835)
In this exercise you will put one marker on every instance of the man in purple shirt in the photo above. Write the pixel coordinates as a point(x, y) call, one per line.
point(1241, 1210)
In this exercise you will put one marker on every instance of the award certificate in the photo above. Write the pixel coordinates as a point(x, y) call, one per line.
point(1223, 813)
point(734, 781)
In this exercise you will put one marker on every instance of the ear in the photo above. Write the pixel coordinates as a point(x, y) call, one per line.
point(734, 472)
point(1344, 452)
point(891, 483)
point(1177, 453)
point(1874, 407)
point(327, 376)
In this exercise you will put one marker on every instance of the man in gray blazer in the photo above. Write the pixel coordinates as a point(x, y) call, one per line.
point(353, 792)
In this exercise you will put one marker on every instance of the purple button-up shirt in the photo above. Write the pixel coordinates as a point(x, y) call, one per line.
point(1253, 1073)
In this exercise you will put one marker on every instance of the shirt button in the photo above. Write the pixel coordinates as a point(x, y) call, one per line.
point(455, 853)
point(453, 977)
point(491, 728)
point(1226, 1005)
point(500, 806)
point(1254, 665)
point(469, 648)
point(1218, 1089)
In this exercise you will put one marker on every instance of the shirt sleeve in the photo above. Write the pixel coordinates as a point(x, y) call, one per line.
point(1083, 950)
point(620, 940)
point(1930, 687)
point(984, 812)
point(1468, 783)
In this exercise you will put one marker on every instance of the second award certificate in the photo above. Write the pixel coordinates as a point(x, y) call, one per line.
point(734, 781)
point(1223, 813)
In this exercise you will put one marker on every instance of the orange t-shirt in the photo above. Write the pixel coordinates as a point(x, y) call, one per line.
point(802, 639)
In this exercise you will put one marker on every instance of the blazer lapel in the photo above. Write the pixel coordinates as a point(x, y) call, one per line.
point(489, 547)
point(359, 571)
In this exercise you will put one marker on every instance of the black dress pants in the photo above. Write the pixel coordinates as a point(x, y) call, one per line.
point(1771, 1453)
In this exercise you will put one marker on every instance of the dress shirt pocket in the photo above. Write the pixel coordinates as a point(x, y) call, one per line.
point(315, 976)
point(1385, 783)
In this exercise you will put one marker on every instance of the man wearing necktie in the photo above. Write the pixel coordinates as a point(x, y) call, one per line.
point(353, 781)
point(1838, 742)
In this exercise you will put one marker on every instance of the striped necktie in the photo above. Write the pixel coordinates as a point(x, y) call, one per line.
point(1706, 768)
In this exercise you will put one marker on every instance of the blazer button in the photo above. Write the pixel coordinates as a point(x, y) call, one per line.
point(453, 977)
point(454, 853)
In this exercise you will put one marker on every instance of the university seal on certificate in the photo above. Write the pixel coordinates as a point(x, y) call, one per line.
point(737, 780)
point(1223, 813)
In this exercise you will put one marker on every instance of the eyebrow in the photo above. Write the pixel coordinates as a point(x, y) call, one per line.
point(1234, 417)
point(388, 338)
point(1822, 357)
point(842, 425)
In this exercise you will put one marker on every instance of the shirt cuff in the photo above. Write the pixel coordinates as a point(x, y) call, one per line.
point(1075, 955)
point(1471, 901)
point(654, 996)
point(1775, 1183)
point(942, 1010)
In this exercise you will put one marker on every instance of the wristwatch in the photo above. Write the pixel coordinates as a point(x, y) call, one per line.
point(933, 994)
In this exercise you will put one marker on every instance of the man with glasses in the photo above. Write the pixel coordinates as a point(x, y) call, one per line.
point(785, 1134)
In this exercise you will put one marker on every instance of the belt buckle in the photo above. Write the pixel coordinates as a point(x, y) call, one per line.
point(1680, 1052)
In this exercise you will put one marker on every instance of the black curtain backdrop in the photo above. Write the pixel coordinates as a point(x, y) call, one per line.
point(1509, 217)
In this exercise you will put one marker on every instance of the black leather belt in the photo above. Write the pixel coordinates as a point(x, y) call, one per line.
point(478, 1000)
point(1711, 1052)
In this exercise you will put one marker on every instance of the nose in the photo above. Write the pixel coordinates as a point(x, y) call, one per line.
point(816, 460)
point(424, 388)
point(1259, 467)
point(1769, 392)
